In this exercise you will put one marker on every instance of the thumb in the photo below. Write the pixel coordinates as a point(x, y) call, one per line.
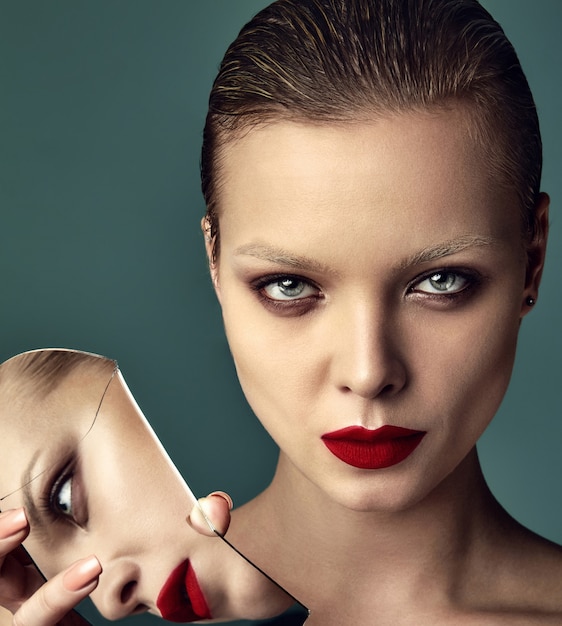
point(211, 515)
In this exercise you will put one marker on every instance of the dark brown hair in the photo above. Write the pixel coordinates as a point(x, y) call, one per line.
point(321, 61)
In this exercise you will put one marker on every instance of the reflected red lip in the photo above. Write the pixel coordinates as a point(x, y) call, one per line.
point(181, 598)
point(373, 449)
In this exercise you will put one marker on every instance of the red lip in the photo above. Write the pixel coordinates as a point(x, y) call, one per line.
point(181, 598)
point(372, 449)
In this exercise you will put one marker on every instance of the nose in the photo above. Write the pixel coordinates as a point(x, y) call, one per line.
point(117, 594)
point(368, 358)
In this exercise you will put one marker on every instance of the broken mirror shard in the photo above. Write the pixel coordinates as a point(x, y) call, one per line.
point(93, 477)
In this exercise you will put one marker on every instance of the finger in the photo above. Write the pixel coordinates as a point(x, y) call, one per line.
point(211, 515)
point(17, 581)
point(51, 602)
point(13, 530)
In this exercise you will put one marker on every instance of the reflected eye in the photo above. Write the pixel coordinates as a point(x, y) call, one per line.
point(62, 496)
point(442, 282)
point(288, 288)
point(66, 499)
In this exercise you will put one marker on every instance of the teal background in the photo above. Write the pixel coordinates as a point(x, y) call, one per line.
point(101, 109)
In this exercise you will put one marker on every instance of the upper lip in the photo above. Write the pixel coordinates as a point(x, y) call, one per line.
point(359, 433)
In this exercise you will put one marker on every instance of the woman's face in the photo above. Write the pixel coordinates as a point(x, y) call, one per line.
point(108, 491)
point(370, 275)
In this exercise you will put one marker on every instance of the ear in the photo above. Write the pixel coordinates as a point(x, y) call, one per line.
point(536, 252)
point(210, 249)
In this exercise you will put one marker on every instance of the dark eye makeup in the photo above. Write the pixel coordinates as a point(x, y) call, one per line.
point(446, 285)
point(286, 294)
point(292, 295)
point(62, 498)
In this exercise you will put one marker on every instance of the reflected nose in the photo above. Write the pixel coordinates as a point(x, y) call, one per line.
point(117, 594)
point(368, 360)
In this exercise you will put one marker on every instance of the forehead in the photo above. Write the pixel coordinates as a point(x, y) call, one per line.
point(391, 172)
point(305, 150)
point(33, 426)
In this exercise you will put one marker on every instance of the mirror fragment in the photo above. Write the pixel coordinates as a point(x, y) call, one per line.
point(82, 459)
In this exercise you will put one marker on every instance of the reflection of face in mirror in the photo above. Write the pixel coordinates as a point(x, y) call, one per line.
point(78, 454)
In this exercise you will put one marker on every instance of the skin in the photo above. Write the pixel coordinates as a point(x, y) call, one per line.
point(424, 541)
point(118, 472)
point(357, 218)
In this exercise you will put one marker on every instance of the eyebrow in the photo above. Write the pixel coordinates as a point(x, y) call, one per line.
point(431, 253)
point(28, 477)
point(38, 519)
point(447, 248)
point(282, 257)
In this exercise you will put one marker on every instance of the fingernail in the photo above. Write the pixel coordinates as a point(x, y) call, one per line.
point(12, 522)
point(82, 574)
point(224, 496)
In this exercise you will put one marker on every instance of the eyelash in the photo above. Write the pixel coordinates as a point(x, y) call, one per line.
point(300, 306)
point(48, 503)
point(297, 306)
point(472, 280)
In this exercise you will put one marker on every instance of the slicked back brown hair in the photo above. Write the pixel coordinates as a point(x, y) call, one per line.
point(320, 61)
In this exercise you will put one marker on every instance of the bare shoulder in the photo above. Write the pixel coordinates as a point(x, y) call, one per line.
point(533, 581)
point(520, 584)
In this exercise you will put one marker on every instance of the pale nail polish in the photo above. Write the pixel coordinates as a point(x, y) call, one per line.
point(224, 496)
point(82, 574)
point(12, 522)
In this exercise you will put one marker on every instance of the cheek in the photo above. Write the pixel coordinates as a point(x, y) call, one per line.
point(264, 367)
point(275, 364)
point(128, 471)
point(474, 370)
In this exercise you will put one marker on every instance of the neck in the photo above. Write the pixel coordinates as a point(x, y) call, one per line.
point(445, 533)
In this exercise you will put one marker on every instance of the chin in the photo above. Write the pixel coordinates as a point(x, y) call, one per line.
point(388, 492)
point(382, 498)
